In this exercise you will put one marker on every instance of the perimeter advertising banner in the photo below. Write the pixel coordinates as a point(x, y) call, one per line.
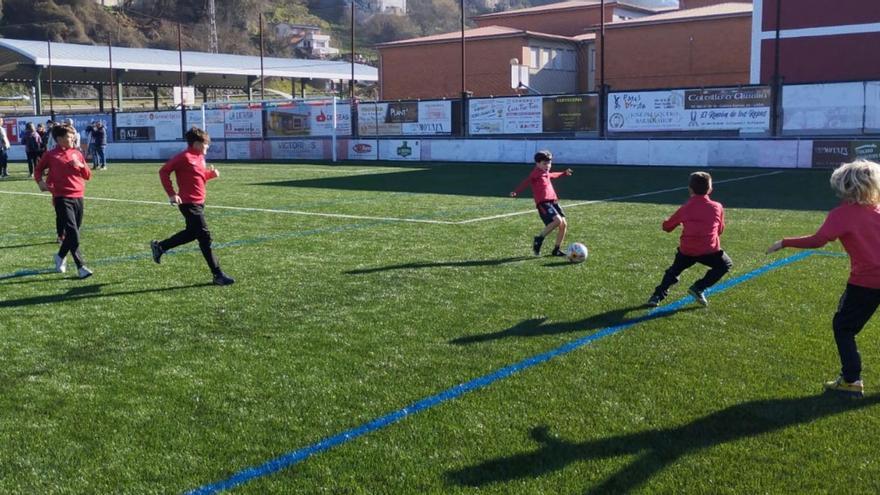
point(832, 153)
point(82, 121)
point(307, 119)
point(214, 122)
point(823, 108)
point(579, 113)
point(149, 126)
point(716, 109)
point(506, 115)
point(243, 122)
point(872, 107)
point(405, 118)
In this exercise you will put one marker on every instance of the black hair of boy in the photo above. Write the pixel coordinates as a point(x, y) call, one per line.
point(196, 135)
point(543, 156)
point(700, 182)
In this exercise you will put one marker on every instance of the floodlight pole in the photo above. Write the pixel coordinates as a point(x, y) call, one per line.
point(351, 83)
point(112, 82)
point(51, 101)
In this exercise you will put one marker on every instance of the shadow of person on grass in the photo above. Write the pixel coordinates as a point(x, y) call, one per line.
point(16, 246)
point(438, 264)
point(536, 327)
point(656, 449)
point(86, 292)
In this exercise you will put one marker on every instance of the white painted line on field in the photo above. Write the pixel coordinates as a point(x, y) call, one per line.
point(263, 210)
point(616, 198)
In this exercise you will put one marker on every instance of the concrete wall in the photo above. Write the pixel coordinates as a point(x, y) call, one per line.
point(703, 153)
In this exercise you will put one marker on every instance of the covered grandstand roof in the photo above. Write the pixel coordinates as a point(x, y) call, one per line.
point(89, 64)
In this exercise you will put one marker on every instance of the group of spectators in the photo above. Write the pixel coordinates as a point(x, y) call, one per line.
point(37, 140)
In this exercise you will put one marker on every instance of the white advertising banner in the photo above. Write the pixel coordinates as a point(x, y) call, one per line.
point(243, 123)
point(400, 149)
point(718, 109)
point(505, 115)
point(362, 149)
point(307, 119)
point(872, 107)
point(149, 126)
point(420, 118)
point(213, 122)
point(296, 150)
point(321, 115)
point(827, 108)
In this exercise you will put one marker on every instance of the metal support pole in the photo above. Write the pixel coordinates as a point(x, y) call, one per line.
point(51, 98)
point(352, 50)
point(119, 96)
point(155, 90)
point(777, 76)
point(38, 91)
point(100, 88)
point(182, 101)
point(464, 94)
point(262, 75)
point(112, 95)
point(603, 89)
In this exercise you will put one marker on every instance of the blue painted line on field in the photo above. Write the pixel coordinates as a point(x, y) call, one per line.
point(298, 456)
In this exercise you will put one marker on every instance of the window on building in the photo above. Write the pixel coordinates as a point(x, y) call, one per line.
point(534, 57)
point(545, 57)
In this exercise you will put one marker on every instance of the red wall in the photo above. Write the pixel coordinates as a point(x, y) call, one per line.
point(798, 14)
point(570, 22)
point(823, 58)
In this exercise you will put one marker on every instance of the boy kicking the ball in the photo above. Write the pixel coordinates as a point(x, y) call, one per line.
point(191, 175)
point(702, 222)
point(546, 201)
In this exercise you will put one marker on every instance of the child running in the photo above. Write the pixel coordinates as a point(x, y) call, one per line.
point(546, 201)
point(66, 174)
point(856, 222)
point(191, 175)
point(702, 222)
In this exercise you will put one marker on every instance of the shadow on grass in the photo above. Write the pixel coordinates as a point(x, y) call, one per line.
point(656, 449)
point(437, 264)
point(28, 245)
point(535, 327)
point(88, 292)
point(803, 189)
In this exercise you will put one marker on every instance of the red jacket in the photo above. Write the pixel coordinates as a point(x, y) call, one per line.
point(64, 180)
point(191, 175)
point(542, 188)
point(858, 228)
point(703, 223)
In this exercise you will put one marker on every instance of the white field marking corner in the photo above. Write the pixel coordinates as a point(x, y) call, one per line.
point(403, 220)
point(616, 198)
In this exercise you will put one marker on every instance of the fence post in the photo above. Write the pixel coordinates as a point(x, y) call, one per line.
point(465, 96)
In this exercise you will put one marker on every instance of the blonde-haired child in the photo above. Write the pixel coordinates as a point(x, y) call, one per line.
point(856, 222)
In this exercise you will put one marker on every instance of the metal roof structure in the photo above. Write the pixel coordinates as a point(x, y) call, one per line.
point(90, 64)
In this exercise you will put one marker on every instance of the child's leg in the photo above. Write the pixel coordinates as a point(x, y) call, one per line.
point(560, 234)
point(719, 264)
point(188, 234)
point(857, 305)
point(549, 227)
point(204, 238)
point(66, 213)
point(670, 277)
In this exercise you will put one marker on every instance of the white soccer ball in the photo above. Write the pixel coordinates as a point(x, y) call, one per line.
point(576, 253)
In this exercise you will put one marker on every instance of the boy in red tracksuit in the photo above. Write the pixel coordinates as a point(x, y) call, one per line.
point(191, 175)
point(546, 201)
point(702, 223)
point(66, 173)
point(856, 222)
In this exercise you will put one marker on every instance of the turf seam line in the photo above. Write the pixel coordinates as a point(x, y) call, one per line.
point(295, 457)
point(615, 198)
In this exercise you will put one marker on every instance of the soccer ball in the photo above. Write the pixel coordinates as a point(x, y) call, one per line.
point(576, 253)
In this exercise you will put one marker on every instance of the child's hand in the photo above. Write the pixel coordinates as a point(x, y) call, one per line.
point(174, 199)
point(775, 247)
point(43, 186)
point(569, 171)
point(212, 169)
point(512, 194)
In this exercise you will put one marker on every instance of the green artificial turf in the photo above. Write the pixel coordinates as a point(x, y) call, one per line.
point(365, 287)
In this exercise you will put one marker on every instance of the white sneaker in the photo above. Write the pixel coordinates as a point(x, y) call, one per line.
point(84, 272)
point(60, 264)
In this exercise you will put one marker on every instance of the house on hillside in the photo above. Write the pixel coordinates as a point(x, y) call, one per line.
point(306, 38)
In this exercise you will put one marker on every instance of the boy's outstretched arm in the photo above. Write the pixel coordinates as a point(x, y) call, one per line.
point(672, 222)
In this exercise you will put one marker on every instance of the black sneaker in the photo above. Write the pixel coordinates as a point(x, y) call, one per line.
point(536, 245)
point(157, 251)
point(557, 252)
point(223, 279)
point(654, 301)
point(698, 295)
